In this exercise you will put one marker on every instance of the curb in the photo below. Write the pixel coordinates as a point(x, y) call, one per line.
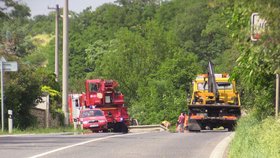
point(220, 148)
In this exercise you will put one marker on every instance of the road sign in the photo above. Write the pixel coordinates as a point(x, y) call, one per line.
point(10, 66)
point(3, 59)
point(5, 66)
point(257, 26)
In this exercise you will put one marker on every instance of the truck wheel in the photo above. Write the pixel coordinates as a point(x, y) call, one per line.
point(194, 126)
point(124, 128)
point(230, 128)
point(203, 127)
point(120, 127)
point(117, 127)
point(193, 130)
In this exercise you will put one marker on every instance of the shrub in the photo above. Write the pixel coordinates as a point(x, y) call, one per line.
point(255, 138)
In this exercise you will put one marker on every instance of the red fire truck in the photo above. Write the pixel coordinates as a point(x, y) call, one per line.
point(103, 94)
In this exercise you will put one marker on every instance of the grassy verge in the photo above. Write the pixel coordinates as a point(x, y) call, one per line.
point(42, 130)
point(256, 139)
point(172, 129)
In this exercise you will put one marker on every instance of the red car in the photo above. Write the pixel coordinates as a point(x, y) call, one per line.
point(93, 119)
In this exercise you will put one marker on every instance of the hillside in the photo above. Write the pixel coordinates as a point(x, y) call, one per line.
point(152, 49)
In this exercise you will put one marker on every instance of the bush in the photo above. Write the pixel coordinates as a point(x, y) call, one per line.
point(256, 138)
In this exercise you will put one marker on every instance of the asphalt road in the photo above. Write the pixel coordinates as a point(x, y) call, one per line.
point(132, 145)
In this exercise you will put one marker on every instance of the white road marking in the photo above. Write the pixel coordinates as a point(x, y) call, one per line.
point(220, 148)
point(82, 143)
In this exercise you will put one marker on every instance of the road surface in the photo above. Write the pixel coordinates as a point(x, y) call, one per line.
point(132, 145)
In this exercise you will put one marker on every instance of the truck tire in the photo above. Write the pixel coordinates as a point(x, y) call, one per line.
point(117, 127)
point(194, 126)
point(230, 128)
point(121, 127)
point(124, 128)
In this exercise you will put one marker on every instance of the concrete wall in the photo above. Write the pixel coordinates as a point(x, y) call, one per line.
point(40, 114)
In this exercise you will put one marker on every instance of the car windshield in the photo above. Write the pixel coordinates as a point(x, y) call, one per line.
point(224, 85)
point(220, 85)
point(92, 113)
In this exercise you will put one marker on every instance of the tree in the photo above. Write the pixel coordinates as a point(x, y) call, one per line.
point(23, 92)
point(11, 8)
point(14, 37)
point(256, 62)
point(164, 94)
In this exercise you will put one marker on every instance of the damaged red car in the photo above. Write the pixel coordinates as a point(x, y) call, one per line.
point(93, 119)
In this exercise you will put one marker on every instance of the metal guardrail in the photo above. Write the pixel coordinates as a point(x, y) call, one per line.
point(147, 128)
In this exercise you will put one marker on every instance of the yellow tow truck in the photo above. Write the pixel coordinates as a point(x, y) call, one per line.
point(215, 102)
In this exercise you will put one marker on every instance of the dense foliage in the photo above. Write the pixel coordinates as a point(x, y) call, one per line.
point(23, 88)
point(152, 48)
point(258, 62)
point(255, 138)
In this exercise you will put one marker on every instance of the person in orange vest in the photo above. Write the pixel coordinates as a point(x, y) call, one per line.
point(186, 122)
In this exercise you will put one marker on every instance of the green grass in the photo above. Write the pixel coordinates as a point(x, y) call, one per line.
point(42, 130)
point(256, 139)
point(172, 129)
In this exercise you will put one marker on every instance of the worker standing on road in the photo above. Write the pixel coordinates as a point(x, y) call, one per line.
point(181, 121)
point(186, 122)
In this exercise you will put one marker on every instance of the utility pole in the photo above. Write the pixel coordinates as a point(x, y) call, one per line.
point(2, 94)
point(65, 64)
point(277, 95)
point(56, 69)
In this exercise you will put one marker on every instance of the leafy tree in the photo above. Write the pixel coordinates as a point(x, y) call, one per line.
point(164, 95)
point(23, 91)
point(20, 11)
point(14, 37)
point(42, 24)
point(11, 8)
point(131, 57)
point(95, 52)
point(123, 62)
point(256, 61)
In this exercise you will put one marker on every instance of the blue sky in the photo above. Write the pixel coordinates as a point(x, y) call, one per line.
point(39, 7)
